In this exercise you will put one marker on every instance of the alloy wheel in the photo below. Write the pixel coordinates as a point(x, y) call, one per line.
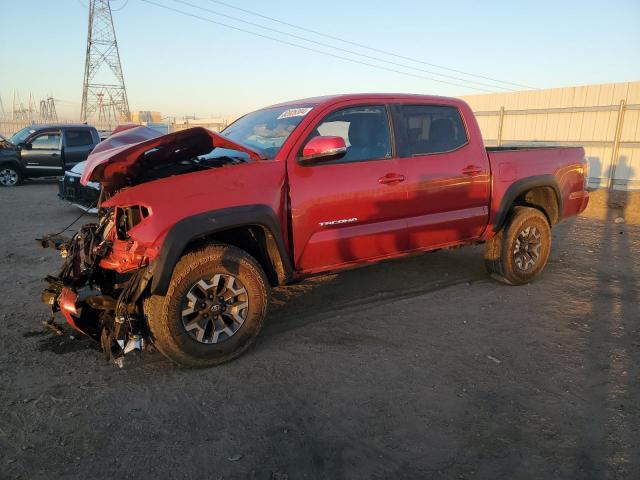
point(215, 308)
point(8, 177)
point(526, 251)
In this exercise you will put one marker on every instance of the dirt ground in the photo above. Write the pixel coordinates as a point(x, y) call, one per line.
point(418, 368)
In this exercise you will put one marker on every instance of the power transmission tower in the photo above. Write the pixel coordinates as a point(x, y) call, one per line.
point(103, 78)
point(48, 110)
point(51, 104)
point(106, 111)
point(19, 112)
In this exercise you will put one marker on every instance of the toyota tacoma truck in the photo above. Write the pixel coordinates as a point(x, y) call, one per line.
point(195, 227)
point(44, 150)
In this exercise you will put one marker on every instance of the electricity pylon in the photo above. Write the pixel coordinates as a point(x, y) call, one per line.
point(48, 110)
point(103, 78)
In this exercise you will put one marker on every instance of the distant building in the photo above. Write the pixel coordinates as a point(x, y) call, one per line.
point(142, 116)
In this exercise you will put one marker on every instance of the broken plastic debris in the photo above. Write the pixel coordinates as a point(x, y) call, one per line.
point(494, 359)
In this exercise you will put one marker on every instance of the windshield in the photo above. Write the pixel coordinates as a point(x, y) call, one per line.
point(266, 130)
point(21, 135)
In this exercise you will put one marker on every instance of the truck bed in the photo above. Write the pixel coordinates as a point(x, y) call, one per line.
point(562, 167)
point(524, 146)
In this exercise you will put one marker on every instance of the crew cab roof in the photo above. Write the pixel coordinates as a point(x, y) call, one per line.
point(396, 97)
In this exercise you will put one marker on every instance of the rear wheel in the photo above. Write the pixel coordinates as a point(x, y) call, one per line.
point(214, 308)
point(519, 252)
point(9, 176)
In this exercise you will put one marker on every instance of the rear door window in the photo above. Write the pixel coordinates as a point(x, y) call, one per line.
point(78, 138)
point(432, 129)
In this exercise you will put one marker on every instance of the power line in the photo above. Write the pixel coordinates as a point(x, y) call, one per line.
point(120, 8)
point(299, 37)
point(61, 100)
point(373, 49)
point(352, 60)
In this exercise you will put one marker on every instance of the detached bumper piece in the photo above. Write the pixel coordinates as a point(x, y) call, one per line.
point(94, 301)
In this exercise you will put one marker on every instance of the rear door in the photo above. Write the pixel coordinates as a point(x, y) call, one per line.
point(78, 143)
point(448, 175)
point(42, 154)
point(348, 210)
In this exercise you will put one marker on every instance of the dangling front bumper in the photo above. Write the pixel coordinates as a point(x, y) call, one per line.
point(98, 301)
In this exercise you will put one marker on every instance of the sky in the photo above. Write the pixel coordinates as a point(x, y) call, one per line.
point(181, 65)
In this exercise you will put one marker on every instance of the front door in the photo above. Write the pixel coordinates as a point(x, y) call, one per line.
point(348, 210)
point(42, 154)
point(448, 176)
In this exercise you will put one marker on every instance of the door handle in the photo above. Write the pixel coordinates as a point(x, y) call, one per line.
point(471, 170)
point(54, 155)
point(391, 178)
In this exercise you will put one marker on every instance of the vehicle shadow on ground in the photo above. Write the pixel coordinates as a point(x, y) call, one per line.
point(609, 444)
point(39, 181)
point(297, 305)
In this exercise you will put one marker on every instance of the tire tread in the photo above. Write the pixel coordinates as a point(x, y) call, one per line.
point(156, 307)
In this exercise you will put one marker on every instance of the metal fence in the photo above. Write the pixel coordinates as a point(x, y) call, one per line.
point(9, 127)
point(610, 134)
point(611, 156)
point(602, 118)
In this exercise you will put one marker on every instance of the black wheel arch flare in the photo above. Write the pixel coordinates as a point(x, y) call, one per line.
point(13, 162)
point(521, 186)
point(204, 224)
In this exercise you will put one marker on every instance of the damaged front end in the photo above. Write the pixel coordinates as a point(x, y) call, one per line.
point(108, 265)
point(99, 288)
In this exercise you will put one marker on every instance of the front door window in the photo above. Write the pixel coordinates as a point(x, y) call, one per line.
point(46, 141)
point(365, 131)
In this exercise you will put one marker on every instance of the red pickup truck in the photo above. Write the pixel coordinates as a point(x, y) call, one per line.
point(195, 227)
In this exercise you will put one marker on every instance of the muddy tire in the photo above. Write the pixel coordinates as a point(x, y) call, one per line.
point(519, 252)
point(214, 307)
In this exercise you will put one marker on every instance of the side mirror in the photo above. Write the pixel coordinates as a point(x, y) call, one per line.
point(25, 146)
point(323, 149)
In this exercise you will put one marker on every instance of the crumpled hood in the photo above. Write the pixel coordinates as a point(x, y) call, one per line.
point(116, 161)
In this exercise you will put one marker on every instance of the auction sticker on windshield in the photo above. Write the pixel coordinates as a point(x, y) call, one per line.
point(295, 112)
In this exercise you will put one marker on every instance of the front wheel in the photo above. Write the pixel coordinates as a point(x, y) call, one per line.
point(519, 252)
point(214, 307)
point(9, 176)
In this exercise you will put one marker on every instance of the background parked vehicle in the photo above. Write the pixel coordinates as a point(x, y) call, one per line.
point(81, 196)
point(45, 150)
